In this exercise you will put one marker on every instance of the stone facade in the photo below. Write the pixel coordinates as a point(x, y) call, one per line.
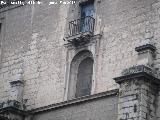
point(36, 57)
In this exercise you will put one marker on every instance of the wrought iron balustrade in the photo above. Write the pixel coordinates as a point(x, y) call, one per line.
point(81, 25)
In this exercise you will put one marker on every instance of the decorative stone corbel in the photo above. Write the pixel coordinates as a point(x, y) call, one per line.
point(17, 86)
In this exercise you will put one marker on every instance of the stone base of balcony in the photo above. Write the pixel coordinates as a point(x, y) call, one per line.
point(79, 39)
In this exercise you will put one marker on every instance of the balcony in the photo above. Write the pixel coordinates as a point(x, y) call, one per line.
point(81, 30)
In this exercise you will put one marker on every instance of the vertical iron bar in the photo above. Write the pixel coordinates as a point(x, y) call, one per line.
point(85, 24)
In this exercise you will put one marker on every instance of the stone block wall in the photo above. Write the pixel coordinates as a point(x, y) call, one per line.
point(104, 108)
point(138, 100)
point(128, 101)
point(124, 23)
point(33, 43)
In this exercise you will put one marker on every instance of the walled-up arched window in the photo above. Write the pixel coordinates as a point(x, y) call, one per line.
point(80, 79)
point(84, 78)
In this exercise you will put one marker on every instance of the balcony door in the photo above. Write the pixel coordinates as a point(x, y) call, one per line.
point(87, 11)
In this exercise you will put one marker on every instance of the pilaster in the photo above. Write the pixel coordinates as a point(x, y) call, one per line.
point(139, 87)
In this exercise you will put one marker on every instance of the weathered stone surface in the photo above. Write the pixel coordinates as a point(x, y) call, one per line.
point(32, 40)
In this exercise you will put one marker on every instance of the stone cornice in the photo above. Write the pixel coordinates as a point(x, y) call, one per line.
point(17, 82)
point(15, 110)
point(140, 71)
point(145, 47)
point(82, 2)
point(74, 101)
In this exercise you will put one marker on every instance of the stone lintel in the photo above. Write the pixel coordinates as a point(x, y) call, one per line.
point(140, 71)
point(145, 47)
point(82, 2)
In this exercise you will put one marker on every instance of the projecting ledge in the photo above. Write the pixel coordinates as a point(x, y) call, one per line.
point(145, 47)
point(75, 101)
point(139, 71)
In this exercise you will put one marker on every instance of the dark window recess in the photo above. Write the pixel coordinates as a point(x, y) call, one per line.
point(87, 10)
point(84, 78)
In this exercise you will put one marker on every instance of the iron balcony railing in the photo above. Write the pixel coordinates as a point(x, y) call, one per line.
point(81, 25)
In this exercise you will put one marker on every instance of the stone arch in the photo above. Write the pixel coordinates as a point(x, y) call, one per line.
point(76, 71)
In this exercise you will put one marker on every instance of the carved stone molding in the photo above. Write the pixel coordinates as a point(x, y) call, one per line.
point(140, 71)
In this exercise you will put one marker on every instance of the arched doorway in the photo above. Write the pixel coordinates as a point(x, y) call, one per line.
point(80, 76)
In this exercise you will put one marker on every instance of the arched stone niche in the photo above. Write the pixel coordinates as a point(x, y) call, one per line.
point(74, 57)
point(74, 69)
